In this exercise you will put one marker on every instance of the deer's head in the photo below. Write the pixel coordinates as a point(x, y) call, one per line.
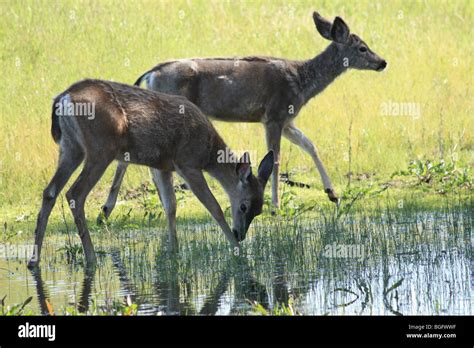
point(248, 200)
point(355, 52)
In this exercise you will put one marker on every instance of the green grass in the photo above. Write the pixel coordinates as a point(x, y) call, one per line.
point(47, 45)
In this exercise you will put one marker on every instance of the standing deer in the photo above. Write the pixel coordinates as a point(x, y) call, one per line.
point(262, 89)
point(165, 132)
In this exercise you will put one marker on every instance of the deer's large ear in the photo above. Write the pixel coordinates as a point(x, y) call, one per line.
point(266, 167)
point(339, 31)
point(243, 168)
point(323, 25)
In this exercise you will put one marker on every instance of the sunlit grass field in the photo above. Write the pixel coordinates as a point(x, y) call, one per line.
point(47, 45)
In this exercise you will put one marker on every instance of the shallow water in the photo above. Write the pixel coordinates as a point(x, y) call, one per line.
point(404, 264)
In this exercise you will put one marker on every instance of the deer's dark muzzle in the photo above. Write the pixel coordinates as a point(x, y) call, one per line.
point(239, 236)
point(382, 66)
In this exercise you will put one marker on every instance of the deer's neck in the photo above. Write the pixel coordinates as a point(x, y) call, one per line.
point(317, 73)
point(222, 167)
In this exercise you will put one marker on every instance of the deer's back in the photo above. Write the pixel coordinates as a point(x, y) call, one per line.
point(225, 88)
point(143, 126)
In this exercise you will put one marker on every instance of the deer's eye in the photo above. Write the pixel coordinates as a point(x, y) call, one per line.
point(243, 208)
point(362, 49)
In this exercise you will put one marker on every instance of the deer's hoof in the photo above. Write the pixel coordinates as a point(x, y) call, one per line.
point(332, 196)
point(102, 218)
point(33, 264)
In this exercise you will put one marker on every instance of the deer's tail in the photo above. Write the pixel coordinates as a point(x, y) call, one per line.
point(55, 128)
point(140, 79)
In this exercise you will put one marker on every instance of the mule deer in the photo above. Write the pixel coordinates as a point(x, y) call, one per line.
point(165, 132)
point(268, 90)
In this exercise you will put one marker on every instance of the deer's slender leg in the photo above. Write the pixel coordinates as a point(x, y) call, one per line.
point(69, 159)
point(114, 190)
point(273, 135)
point(76, 196)
point(297, 137)
point(198, 185)
point(164, 182)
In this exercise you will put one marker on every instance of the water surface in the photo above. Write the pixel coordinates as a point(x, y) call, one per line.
point(385, 264)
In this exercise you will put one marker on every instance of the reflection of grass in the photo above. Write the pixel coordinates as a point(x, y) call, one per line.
point(115, 307)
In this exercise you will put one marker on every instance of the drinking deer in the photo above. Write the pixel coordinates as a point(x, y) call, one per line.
point(140, 126)
point(268, 90)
